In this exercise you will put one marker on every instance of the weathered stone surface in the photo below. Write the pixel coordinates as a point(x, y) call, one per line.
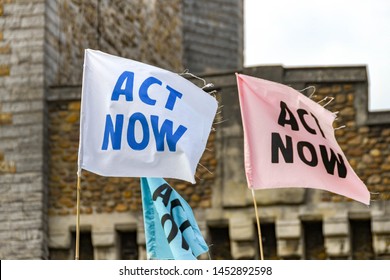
point(279, 196)
point(23, 193)
point(242, 250)
point(150, 32)
point(337, 247)
point(241, 229)
point(4, 70)
point(212, 43)
point(374, 179)
point(289, 248)
point(103, 238)
point(381, 226)
point(5, 118)
point(234, 195)
point(375, 152)
point(336, 227)
point(288, 229)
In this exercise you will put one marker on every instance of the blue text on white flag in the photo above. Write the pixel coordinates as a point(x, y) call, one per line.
point(162, 129)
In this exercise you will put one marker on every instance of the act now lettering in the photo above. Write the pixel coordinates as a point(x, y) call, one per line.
point(291, 151)
point(164, 192)
point(163, 130)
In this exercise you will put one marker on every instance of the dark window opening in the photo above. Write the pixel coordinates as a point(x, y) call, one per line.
point(85, 245)
point(128, 247)
point(219, 243)
point(269, 243)
point(314, 248)
point(361, 240)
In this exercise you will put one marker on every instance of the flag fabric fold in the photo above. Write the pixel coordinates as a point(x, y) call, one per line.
point(138, 120)
point(171, 231)
point(289, 141)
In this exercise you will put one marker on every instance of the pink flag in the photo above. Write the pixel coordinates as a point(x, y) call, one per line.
point(289, 142)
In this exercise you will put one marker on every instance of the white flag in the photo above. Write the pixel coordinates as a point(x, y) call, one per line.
point(138, 120)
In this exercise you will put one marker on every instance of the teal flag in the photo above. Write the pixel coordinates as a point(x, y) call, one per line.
point(171, 231)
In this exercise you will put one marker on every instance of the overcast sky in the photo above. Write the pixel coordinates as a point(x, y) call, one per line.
point(322, 33)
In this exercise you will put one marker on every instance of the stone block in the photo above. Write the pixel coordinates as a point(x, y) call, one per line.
point(336, 227)
point(242, 250)
point(5, 49)
point(25, 7)
point(28, 118)
point(5, 118)
point(105, 253)
point(241, 228)
point(22, 70)
point(23, 35)
point(280, 196)
point(10, 22)
point(215, 214)
point(7, 167)
point(74, 106)
point(23, 106)
point(59, 240)
point(141, 237)
point(381, 226)
point(337, 246)
point(288, 229)
point(32, 21)
point(381, 244)
point(103, 238)
point(22, 132)
point(234, 194)
point(234, 180)
point(288, 248)
point(31, 164)
point(4, 70)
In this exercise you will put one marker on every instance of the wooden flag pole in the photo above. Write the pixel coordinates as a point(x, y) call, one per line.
point(78, 217)
point(258, 227)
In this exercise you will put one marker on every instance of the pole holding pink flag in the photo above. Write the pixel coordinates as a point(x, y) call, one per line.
point(289, 141)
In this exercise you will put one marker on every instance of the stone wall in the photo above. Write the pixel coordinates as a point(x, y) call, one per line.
point(23, 217)
point(366, 146)
point(147, 31)
point(203, 36)
point(213, 35)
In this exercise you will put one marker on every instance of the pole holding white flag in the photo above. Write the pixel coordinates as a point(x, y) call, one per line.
point(138, 120)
